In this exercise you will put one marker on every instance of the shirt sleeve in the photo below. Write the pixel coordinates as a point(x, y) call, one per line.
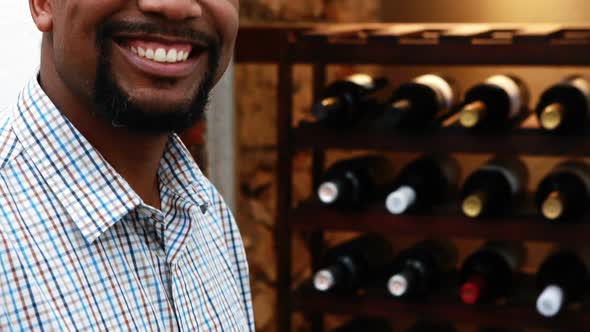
point(237, 252)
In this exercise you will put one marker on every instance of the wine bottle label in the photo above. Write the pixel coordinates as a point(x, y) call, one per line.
point(444, 91)
point(513, 91)
point(583, 86)
point(363, 80)
point(512, 179)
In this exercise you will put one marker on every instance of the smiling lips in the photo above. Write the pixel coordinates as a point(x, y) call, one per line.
point(161, 57)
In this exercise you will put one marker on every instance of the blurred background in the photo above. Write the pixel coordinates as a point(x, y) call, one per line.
point(20, 54)
point(255, 87)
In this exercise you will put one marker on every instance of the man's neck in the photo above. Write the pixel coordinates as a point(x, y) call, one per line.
point(135, 156)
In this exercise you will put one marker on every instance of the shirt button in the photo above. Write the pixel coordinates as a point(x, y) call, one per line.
point(160, 253)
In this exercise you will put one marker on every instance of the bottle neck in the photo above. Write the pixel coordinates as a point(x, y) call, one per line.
point(329, 278)
point(402, 106)
point(552, 116)
point(401, 200)
point(329, 192)
point(473, 114)
point(339, 190)
point(555, 205)
point(551, 301)
point(403, 283)
point(474, 289)
point(329, 107)
point(476, 204)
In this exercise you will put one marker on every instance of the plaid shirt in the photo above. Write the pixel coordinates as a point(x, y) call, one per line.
point(79, 250)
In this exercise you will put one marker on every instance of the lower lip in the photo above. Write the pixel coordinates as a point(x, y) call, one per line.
point(163, 70)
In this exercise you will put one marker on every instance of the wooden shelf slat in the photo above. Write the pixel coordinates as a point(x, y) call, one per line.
point(508, 315)
point(412, 44)
point(384, 52)
point(313, 217)
point(449, 140)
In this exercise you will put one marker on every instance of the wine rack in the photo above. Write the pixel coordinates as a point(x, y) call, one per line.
point(410, 44)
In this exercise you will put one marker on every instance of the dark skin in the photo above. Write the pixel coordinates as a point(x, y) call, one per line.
point(69, 58)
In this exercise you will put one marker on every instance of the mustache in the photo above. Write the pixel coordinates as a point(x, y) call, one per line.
point(108, 29)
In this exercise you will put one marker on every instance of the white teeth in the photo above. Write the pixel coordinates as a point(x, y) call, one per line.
point(160, 55)
point(149, 53)
point(171, 56)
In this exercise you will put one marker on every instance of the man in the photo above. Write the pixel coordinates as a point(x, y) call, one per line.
point(107, 224)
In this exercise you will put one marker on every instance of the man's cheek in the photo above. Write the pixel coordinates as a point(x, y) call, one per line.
point(225, 17)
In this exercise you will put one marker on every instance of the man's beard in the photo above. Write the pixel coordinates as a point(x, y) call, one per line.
point(122, 110)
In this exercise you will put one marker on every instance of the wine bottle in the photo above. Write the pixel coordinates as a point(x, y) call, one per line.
point(564, 194)
point(488, 273)
point(495, 103)
point(565, 106)
point(344, 102)
point(494, 188)
point(424, 182)
point(352, 183)
point(426, 326)
point(366, 324)
point(420, 103)
point(420, 269)
point(349, 265)
point(561, 279)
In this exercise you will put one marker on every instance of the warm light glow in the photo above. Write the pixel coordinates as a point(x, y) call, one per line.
point(539, 11)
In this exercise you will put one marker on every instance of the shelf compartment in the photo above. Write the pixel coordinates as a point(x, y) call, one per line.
point(313, 217)
point(515, 315)
point(449, 140)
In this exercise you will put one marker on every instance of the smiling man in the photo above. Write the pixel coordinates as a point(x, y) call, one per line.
point(107, 224)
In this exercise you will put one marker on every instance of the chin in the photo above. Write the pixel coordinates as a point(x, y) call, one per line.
point(154, 106)
point(162, 105)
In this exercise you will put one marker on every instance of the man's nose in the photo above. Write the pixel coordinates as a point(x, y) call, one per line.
point(177, 10)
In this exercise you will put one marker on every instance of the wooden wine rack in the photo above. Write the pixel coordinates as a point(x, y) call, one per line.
point(409, 44)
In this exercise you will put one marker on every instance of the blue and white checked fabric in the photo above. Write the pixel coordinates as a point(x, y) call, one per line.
point(80, 251)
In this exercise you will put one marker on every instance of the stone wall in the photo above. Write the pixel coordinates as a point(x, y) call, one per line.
point(256, 111)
